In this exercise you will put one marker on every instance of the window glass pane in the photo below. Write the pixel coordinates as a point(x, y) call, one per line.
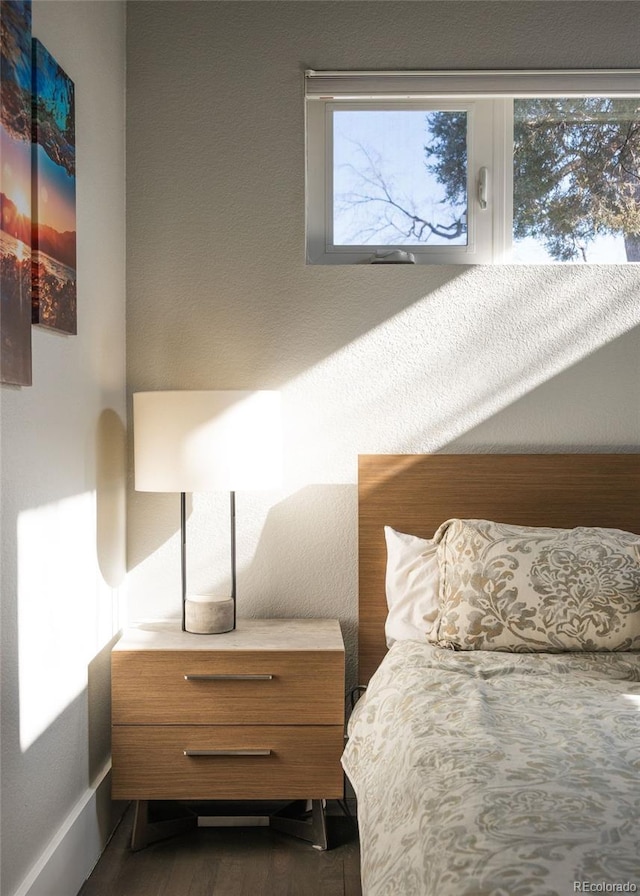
point(576, 185)
point(399, 178)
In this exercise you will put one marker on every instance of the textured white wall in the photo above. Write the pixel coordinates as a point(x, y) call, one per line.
point(369, 359)
point(63, 462)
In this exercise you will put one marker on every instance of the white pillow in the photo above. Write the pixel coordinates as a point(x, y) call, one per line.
point(412, 586)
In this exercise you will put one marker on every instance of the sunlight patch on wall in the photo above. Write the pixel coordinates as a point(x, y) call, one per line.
point(65, 610)
point(447, 362)
point(412, 383)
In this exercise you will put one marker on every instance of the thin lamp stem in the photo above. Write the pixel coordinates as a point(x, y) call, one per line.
point(233, 553)
point(183, 556)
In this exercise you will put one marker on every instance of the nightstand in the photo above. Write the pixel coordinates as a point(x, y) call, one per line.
point(252, 714)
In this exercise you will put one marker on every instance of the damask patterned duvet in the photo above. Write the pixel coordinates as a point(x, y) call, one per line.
point(498, 774)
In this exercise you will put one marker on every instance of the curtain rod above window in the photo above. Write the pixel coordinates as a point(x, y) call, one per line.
point(414, 84)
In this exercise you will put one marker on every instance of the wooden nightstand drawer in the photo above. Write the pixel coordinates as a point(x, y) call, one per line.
point(256, 713)
point(201, 687)
point(289, 762)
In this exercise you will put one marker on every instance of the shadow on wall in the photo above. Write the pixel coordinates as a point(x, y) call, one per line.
point(268, 330)
point(299, 569)
point(99, 708)
point(111, 497)
point(99, 730)
point(290, 554)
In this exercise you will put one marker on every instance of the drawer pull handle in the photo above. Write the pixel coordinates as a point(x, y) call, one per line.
point(227, 752)
point(238, 677)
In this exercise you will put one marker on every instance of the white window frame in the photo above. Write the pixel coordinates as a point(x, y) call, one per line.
point(488, 99)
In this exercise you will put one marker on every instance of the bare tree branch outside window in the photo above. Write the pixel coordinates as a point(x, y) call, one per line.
point(384, 194)
point(400, 178)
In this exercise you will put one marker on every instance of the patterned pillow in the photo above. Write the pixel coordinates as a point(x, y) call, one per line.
point(526, 589)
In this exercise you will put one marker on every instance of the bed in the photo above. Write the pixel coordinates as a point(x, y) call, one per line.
point(493, 757)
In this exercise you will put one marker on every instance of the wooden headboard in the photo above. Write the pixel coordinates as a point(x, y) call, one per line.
point(416, 493)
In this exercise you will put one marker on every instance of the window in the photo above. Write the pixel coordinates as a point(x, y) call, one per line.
point(473, 168)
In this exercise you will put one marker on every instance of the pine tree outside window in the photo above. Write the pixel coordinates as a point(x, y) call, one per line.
point(472, 168)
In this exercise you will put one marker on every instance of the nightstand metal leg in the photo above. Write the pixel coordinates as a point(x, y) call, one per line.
point(298, 821)
point(146, 831)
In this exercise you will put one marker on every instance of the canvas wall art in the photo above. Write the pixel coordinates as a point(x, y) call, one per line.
point(54, 195)
point(15, 192)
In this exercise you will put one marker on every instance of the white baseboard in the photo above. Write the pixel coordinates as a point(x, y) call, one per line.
point(73, 851)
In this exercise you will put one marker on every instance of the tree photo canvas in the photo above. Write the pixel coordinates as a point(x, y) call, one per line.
point(54, 195)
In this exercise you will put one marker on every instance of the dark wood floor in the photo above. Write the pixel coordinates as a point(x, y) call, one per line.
point(230, 862)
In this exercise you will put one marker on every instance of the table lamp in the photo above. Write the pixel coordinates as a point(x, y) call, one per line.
point(207, 441)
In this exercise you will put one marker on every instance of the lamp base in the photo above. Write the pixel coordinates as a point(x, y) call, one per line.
point(209, 615)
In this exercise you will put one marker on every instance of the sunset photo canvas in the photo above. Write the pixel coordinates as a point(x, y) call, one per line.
point(15, 193)
point(54, 195)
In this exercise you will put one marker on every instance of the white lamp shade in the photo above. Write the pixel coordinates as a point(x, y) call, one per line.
point(207, 441)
